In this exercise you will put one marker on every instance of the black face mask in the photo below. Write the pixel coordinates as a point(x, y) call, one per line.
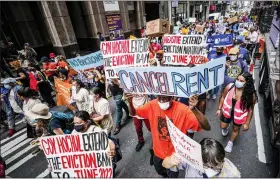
point(80, 128)
point(219, 53)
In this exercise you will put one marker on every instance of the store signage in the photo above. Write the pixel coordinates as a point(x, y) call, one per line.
point(111, 6)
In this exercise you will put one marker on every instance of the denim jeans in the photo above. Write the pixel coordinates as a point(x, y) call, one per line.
point(120, 105)
point(214, 91)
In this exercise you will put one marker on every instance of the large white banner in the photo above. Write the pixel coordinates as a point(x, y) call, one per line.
point(173, 81)
point(82, 155)
point(124, 53)
point(183, 49)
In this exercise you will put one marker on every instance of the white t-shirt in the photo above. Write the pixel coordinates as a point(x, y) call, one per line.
point(82, 99)
point(15, 106)
point(253, 37)
point(102, 107)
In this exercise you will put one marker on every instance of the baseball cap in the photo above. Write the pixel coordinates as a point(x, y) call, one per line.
point(233, 51)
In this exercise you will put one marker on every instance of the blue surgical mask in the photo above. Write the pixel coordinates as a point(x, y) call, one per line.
point(7, 86)
point(239, 84)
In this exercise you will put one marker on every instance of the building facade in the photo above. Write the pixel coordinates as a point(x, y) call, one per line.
point(69, 27)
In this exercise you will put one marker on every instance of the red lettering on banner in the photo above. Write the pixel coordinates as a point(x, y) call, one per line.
point(87, 160)
point(87, 173)
point(123, 60)
point(50, 149)
point(69, 143)
point(172, 40)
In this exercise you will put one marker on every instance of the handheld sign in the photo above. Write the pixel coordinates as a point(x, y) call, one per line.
point(188, 150)
point(86, 62)
point(223, 40)
point(62, 92)
point(82, 155)
point(124, 53)
point(173, 81)
point(183, 49)
point(232, 20)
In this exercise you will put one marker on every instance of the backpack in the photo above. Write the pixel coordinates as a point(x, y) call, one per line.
point(2, 168)
point(67, 118)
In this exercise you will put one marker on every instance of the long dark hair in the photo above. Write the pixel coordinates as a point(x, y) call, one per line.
point(249, 92)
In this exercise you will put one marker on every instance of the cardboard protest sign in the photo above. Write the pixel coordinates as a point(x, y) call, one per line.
point(223, 40)
point(157, 27)
point(186, 149)
point(173, 81)
point(62, 92)
point(221, 28)
point(82, 155)
point(192, 19)
point(86, 62)
point(183, 49)
point(232, 20)
point(124, 53)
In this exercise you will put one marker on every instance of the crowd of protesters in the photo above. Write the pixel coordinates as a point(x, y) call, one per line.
point(31, 96)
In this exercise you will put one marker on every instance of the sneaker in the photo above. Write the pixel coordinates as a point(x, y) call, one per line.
point(208, 96)
point(11, 132)
point(214, 97)
point(117, 130)
point(139, 146)
point(225, 131)
point(229, 146)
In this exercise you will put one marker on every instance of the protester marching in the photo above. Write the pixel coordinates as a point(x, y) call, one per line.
point(164, 79)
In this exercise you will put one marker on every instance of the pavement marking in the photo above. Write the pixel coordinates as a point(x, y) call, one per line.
point(19, 163)
point(15, 135)
point(19, 122)
point(44, 174)
point(19, 154)
point(12, 143)
point(261, 151)
point(7, 152)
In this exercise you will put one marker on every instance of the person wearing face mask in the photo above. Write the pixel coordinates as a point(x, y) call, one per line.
point(15, 103)
point(234, 67)
point(83, 124)
point(102, 114)
point(215, 164)
point(236, 106)
point(187, 119)
point(155, 45)
point(79, 95)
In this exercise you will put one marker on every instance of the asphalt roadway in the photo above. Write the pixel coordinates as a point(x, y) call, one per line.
point(249, 150)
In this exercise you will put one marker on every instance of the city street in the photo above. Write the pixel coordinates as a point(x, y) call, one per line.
point(252, 152)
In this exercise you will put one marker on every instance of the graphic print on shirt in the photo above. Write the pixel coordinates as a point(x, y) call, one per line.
point(163, 130)
point(233, 71)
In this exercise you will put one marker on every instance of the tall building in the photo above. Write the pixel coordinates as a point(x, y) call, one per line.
point(68, 27)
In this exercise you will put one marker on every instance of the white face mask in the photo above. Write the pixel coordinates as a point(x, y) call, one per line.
point(210, 172)
point(233, 57)
point(239, 84)
point(164, 106)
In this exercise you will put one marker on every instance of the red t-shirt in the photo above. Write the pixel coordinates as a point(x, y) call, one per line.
point(49, 66)
point(181, 116)
point(156, 47)
point(62, 64)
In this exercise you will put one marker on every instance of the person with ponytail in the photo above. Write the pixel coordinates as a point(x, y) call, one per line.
point(237, 106)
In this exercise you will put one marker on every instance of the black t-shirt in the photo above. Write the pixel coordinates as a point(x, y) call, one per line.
point(26, 81)
point(115, 89)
